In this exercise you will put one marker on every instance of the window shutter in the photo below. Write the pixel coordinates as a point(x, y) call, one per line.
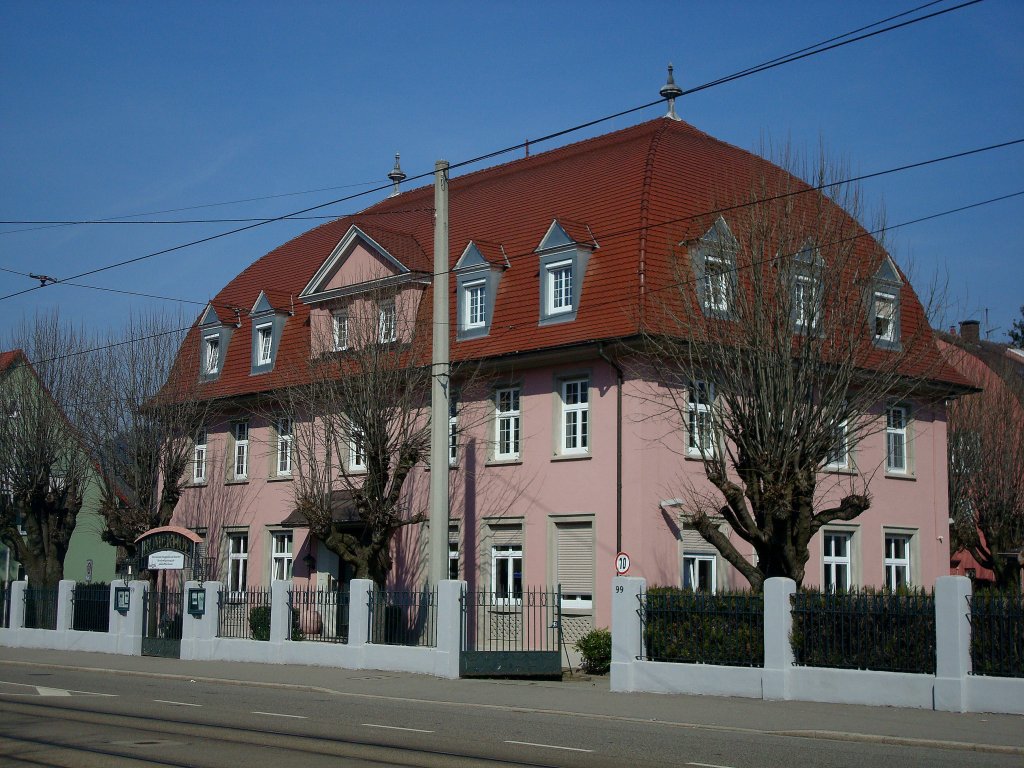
point(506, 534)
point(575, 558)
point(693, 542)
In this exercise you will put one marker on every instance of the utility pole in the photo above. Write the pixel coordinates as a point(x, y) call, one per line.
point(439, 394)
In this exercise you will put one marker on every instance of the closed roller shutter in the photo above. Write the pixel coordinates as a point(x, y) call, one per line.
point(574, 566)
point(694, 542)
point(506, 534)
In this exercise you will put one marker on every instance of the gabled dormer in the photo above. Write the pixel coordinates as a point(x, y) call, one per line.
point(477, 275)
point(214, 337)
point(885, 305)
point(807, 288)
point(714, 268)
point(563, 254)
point(268, 321)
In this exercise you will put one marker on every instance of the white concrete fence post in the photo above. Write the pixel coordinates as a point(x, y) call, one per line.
point(129, 626)
point(778, 626)
point(952, 642)
point(449, 628)
point(199, 632)
point(18, 604)
point(359, 612)
point(627, 632)
point(280, 612)
point(65, 605)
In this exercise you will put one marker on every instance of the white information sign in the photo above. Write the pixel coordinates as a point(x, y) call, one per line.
point(166, 560)
point(622, 564)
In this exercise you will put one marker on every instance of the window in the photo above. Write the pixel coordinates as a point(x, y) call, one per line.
point(714, 266)
point(264, 342)
point(836, 561)
point(701, 434)
point(558, 288)
point(199, 457)
point(896, 440)
point(453, 560)
point(897, 560)
point(453, 430)
point(806, 303)
point(281, 556)
point(507, 571)
point(839, 455)
point(699, 573)
point(356, 450)
point(241, 450)
point(339, 331)
point(285, 438)
point(574, 564)
point(211, 357)
point(386, 328)
point(886, 330)
point(507, 423)
point(575, 413)
point(475, 304)
point(238, 561)
point(717, 283)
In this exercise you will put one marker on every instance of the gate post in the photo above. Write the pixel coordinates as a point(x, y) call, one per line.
point(627, 633)
point(65, 607)
point(952, 642)
point(280, 612)
point(359, 612)
point(18, 604)
point(449, 628)
point(778, 648)
point(199, 632)
point(129, 625)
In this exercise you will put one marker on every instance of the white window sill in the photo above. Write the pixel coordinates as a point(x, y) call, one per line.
point(279, 478)
point(237, 481)
point(838, 470)
point(698, 457)
point(572, 457)
point(900, 476)
point(503, 462)
point(197, 484)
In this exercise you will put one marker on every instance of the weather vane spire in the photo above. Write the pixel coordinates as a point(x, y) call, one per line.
point(397, 176)
point(671, 91)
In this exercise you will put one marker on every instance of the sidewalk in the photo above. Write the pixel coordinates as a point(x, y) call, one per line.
point(584, 696)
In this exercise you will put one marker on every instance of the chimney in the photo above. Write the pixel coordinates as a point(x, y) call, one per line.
point(970, 330)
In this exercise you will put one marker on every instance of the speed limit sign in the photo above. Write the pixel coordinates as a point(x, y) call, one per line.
point(622, 564)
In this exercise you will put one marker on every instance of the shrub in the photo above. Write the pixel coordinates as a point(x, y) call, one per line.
point(259, 623)
point(596, 649)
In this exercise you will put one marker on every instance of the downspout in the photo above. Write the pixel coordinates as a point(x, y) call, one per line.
point(618, 444)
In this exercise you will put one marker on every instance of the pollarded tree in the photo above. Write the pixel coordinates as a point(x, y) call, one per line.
point(1016, 333)
point(782, 335)
point(46, 467)
point(986, 481)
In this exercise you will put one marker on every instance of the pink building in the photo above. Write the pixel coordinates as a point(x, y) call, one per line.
point(554, 259)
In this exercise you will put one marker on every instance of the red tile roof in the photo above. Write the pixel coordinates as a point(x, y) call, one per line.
point(638, 192)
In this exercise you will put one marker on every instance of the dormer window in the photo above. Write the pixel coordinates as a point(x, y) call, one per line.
point(213, 344)
point(339, 331)
point(563, 263)
point(807, 289)
point(268, 323)
point(475, 304)
point(264, 343)
point(714, 267)
point(477, 274)
point(386, 325)
point(211, 356)
point(885, 306)
point(885, 317)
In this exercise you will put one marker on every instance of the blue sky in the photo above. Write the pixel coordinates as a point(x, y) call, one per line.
point(110, 109)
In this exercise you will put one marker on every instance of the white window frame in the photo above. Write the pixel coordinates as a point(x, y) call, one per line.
point(199, 456)
point(339, 331)
point(692, 571)
point(504, 590)
point(558, 288)
point(387, 325)
point(897, 454)
point(264, 344)
point(833, 560)
point(575, 416)
point(285, 445)
point(697, 412)
point(453, 560)
point(884, 299)
point(474, 304)
point(240, 460)
point(839, 455)
point(356, 450)
point(806, 302)
point(894, 562)
point(453, 430)
point(507, 423)
point(211, 354)
point(717, 283)
point(281, 558)
point(238, 561)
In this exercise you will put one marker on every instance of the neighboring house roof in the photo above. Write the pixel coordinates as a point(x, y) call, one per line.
point(633, 196)
point(1001, 360)
point(7, 359)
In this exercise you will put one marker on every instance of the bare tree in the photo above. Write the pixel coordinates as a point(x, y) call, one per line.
point(46, 468)
point(783, 334)
point(359, 428)
point(986, 481)
point(142, 426)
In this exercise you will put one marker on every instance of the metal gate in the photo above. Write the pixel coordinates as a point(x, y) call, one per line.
point(516, 636)
point(161, 634)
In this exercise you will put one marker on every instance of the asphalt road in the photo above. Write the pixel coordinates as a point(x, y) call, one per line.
point(52, 716)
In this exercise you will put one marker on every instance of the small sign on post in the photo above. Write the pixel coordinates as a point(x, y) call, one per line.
point(621, 564)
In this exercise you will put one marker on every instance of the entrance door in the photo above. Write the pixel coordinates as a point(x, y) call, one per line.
point(161, 635)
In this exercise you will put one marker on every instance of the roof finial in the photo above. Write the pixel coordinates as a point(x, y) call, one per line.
point(396, 176)
point(671, 91)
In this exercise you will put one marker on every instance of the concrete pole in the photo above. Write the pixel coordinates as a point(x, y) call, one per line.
point(439, 384)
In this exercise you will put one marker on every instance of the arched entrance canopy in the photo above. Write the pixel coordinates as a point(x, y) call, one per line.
point(171, 547)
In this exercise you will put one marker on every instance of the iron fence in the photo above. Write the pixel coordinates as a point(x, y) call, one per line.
point(40, 608)
point(997, 633)
point(404, 617)
point(866, 629)
point(528, 621)
point(244, 615)
point(688, 627)
point(91, 603)
point(320, 615)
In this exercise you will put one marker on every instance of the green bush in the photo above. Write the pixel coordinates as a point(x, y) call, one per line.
point(596, 649)
point(259, 623)
point(700, 628)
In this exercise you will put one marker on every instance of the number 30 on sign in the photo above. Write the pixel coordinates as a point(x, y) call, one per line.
point(622, 564)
